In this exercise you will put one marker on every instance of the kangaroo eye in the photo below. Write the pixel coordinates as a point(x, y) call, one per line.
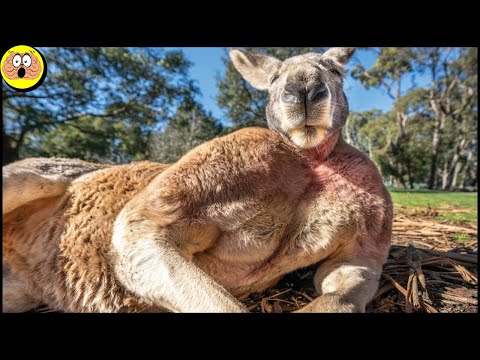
point(273, 79)
point(336, 72)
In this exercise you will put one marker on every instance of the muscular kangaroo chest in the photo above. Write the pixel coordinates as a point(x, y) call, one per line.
point(282, 234)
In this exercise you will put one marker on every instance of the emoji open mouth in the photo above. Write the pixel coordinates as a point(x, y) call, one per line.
point(21, 72)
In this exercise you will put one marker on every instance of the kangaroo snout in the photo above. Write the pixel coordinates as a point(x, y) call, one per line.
point(294, 93)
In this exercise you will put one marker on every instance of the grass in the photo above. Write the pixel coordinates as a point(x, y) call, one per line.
point(459, 217)
point(460, 237)
point(456, 207)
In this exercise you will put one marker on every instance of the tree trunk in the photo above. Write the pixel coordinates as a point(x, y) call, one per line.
point(396, 157)
point(370, 150)
point(348, 136)
point(411, 180)
point(399, 176)
point(456, 171)
point(456, 166)
point(11, 146)
point(432, 179)
point(437, 128)
point(10, 151)
point(401, 122)
point(399, 183)
point(407, 161)
point(445, 176)
point(432, 183)
point(465, 168)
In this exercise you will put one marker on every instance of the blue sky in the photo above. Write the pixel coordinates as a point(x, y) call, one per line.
point(208, 66)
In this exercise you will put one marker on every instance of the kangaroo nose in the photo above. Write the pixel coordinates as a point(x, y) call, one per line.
point(317, 93)
point(295, 94)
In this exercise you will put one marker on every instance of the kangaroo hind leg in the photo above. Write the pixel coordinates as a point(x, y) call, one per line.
point(37, 178)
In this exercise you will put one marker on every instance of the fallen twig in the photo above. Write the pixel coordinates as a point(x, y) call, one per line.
point(472, 259)
point(396, 284)
point(444, 295)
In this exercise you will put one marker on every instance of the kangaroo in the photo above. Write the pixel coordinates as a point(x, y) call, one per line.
point(230, 218)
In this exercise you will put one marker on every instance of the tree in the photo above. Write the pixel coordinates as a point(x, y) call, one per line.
point(96, 104)
point(448, 76)
point(437, 121)
point(190, 126)
point(244, 105)
point(450, 102)
point(390, 72)
point(460, 107)
point(357, 121)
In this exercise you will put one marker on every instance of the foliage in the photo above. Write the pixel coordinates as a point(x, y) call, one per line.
point(428, 138)
point(189, 127)
point(96, 103)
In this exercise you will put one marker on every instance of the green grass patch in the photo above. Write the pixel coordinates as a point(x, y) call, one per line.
point(443, 202)
point(460, 237)
point(458, 217)
point(434, 199)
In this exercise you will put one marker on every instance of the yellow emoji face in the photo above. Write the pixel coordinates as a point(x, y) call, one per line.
point(23, 68)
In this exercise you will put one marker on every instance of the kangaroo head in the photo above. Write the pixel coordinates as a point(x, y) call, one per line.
point(306, 98)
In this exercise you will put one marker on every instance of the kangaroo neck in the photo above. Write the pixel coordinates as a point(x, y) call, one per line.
point(321, 152)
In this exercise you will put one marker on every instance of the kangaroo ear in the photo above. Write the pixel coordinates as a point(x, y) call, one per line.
point(257, 69)
point(340, 54)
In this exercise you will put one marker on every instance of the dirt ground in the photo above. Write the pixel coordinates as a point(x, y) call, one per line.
point(432, 267)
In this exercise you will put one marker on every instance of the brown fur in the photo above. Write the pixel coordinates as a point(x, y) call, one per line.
point(35, 178)
point(230, 218)
point(66, 256)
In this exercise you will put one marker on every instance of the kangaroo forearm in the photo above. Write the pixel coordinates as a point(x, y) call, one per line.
point(150, 265)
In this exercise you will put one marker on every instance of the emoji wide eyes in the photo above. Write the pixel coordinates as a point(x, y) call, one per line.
point(17, 60)
point(27, 60)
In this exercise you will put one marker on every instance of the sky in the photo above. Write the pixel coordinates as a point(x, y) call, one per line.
point(208, 66)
